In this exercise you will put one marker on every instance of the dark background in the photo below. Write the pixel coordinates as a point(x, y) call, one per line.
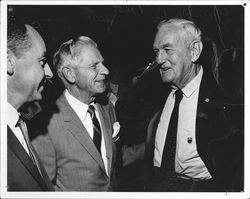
point(125, 35)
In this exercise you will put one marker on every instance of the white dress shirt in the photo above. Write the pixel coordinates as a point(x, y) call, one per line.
point(81, 110)
point(187, 160)
point(12, 118)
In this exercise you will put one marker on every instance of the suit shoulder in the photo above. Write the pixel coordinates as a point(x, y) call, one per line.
point(46, 122)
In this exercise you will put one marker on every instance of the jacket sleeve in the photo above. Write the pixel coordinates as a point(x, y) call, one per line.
point(149, 148)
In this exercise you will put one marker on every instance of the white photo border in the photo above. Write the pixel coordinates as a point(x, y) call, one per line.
point(3, 53)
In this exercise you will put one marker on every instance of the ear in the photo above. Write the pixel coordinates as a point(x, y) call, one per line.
point(196, 48)
point(11, 62)
point(69, 74)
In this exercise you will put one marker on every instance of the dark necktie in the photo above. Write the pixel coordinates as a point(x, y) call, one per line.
point(168, 157)
point(21, 124)
point(97, 137)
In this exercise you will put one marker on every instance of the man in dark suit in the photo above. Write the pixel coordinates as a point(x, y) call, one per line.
point(26, 75)
point(69, 146)
point(186, 143)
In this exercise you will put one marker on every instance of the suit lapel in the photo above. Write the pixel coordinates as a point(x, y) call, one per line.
point(22, 155)
point(43, 171)
point(207, 101)
point(107, 134)
point(74, 125)
point(207, 110)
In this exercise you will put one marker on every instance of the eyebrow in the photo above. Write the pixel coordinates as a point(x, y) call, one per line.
point(167, 45)
point(43, 56)
point(94, 63)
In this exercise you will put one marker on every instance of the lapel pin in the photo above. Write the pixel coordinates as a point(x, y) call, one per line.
point(189, 140)
point(207, 100)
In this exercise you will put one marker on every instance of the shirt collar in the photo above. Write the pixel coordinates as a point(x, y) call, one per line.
point(193, 85)
point(79, 107)
point(12, 117)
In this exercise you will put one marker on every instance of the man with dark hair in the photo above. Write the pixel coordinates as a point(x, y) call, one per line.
point(26, 75)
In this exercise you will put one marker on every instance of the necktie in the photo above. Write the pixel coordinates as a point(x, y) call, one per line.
point(97, 137)
point(168, 157)
point(21, 124)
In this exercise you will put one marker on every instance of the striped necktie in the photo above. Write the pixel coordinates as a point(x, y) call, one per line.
point(97, 138)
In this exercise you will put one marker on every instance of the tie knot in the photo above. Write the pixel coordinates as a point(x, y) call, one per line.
point(19, 122)
point(91, 111)
point(178, 96)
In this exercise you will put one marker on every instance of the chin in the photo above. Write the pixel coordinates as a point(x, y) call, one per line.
point(101, 89)
point(166, 80)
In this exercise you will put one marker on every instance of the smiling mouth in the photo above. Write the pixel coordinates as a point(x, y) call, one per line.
point(164, 69)
point(101, 80)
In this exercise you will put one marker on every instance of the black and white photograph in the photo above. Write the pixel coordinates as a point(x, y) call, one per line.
point(124, 99)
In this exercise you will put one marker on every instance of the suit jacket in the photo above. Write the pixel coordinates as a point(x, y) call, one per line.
point(22, 174)
point(68, 153)
point(213, 140)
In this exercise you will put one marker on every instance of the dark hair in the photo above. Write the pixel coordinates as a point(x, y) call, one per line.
point(18, 39)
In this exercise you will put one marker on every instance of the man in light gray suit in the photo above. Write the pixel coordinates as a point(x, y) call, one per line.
point(77, 147)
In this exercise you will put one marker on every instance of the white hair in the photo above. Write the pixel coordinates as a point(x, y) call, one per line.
point(188, 26)
point(69, 51)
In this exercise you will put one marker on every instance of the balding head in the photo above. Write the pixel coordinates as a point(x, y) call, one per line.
point(18, 38)
point(34, 35)
point(26, 66)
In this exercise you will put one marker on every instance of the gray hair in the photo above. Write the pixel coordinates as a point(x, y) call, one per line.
point(69, 51)
point(188, 26)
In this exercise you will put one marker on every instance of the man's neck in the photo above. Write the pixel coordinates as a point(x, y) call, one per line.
point(85, 98)
point(188, 77)
point(14, 100)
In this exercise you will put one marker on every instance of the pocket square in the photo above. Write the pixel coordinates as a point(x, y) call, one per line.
point(116, 129)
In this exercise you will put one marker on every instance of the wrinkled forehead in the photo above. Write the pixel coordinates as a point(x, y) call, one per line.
point(168, 34)
point(90, 53)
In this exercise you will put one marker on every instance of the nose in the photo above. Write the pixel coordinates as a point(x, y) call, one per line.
point(104, 70)
point(47, 71)
point(160, 58)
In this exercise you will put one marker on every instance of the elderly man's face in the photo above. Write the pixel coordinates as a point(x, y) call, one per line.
point(31, 69)
point(90, 72)
point(174, 54)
